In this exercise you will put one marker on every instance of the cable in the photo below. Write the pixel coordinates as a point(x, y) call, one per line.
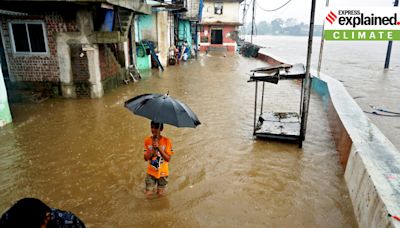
point(384, 110)
point(382, 114)
point(268, 10)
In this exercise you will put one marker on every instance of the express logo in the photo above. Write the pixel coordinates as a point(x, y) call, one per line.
point(362, 23)
point(357, 18)
point(331, 17)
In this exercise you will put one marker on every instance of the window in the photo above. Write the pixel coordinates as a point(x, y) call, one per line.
point(28, 37)
point(218, 8)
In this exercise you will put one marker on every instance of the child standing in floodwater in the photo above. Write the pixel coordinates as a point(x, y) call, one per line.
point(158, 152)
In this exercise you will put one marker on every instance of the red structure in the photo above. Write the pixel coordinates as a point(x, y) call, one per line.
point(219, 25)
point(218, 35)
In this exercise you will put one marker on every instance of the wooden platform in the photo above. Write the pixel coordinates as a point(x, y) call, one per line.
point(278, 125)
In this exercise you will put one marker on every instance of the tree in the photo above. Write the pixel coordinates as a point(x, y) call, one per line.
point(276, 26)
point(263, 28)
point(290, 22)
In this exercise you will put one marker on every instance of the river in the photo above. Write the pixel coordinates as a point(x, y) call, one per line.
point(86, 156)
point(358, 64)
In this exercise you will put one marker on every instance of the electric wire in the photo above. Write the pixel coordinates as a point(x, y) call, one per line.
point(271, 10)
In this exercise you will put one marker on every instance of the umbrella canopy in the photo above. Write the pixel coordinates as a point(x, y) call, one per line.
point(163, 109)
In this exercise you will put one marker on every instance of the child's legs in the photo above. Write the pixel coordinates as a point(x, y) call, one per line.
point(161, 185)
point(150, 182)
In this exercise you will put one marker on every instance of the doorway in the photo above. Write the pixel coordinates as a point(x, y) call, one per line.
point(216, 36)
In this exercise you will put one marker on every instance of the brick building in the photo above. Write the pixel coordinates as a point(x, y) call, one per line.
point(71, 48)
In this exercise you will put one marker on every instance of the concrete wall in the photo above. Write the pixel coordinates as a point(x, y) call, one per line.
point(64, 40)
point(147, 27)
point(5, 115)
point(370, 160)
point(162, 37)
point(230, 12)
point(143, 61)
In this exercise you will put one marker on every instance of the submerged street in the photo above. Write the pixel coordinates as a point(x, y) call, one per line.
point(86, 156)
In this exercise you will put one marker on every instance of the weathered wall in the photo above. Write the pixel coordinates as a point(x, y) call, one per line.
point(372, 163)
point(80, 70)
point(109, 66)
point(110, 69)
point(163, 38)
point(147, 27)
point(342, 139)
point(230, 12)
point(143, 60)
point(5, 115)
point(79, 63)
point(37, 67)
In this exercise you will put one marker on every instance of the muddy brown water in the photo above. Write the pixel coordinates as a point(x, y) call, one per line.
point(86, 156)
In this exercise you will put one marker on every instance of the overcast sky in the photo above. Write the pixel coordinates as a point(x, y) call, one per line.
point(300, 9)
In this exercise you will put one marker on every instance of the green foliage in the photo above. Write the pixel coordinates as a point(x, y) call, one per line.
point(278, 26)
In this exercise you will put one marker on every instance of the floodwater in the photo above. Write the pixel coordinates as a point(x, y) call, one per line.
point(86, 156)
point(358, 65)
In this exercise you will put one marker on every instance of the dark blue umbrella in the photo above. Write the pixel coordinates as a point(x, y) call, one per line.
point(163, 109)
